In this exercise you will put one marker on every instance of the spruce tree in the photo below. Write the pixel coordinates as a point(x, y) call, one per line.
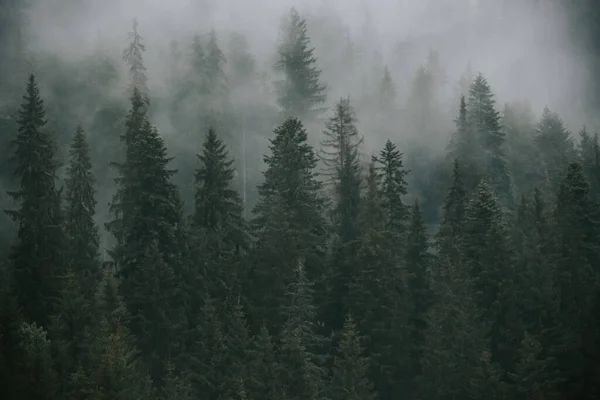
point(350, 377)
point(38, 255)
point(217, 207)
point(417, 264)
point(449, 235)
point(464, 140)
point(484, 120)
point(589, 153)
point(263, 368)
point(555, 147)
point(577, 257)
point(393, 186)
point(301, 367)
point(147, 224)
point(133, 55)
point(488, 258)
point(289, 222)
point(80, 227)
point(340, 154)
point(117, 371)
point(217, 221)
point(301, 90)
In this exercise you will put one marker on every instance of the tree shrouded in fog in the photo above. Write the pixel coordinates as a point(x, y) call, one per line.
point(420, 240)
point(301, 92)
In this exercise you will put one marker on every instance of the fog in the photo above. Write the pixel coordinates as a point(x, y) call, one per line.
point(524, 51)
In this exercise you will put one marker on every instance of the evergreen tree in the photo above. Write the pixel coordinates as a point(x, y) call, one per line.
point(340, 154)
point(421, 102)
point(488, 259)
point(589, 153)
point(523, 158)
point(350, 379)
point(372, 216)
point(289, 222)
point(449, 236)
point(455, 338)
point(484, 120)
point(393, 182)
point(133, 56)
point(417, 264)
point(461, 146)
point(301, 367)
point(242, 63)
point(36, 370)
point(263, 368)
point(80, 227)
point(301, 90)
point(218, 208)
point(38, 255)
point(218, 222)
point(147, 224)
point(577, 257)
point(555, 147)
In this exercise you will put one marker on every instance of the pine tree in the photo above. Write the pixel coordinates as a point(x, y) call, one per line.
point(461, 146)
point(421, 102)
point(393, 181)
point(38, 255)
point(449, 236)
point(300, 91)
point(555, 147)
point(70, 330)
point(263, 368)
point(133, 56)
point(455, 338)
point(372, 216)
point(340, 154)
point(488, 258)
point(220, 229)
point(35, 370)
point(80, 227)
point(218, 207)
point(589, 153)
point(147, 222)
point(242, 63)
point(117, 372)
point(417, 264)
point(350, 377)
point(301, 368)
point(289, 222)
point(483, 118)
point(577, 257)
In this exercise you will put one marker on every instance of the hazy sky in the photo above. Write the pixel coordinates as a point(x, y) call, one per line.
point(524, 54)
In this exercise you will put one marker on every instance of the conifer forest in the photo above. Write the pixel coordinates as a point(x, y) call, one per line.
point(299, 200)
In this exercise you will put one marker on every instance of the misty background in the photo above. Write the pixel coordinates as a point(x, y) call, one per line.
point(528, 50)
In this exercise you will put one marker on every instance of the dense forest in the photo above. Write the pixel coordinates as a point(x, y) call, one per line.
point(330, 224)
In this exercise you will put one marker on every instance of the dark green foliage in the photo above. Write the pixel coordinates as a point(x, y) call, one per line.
point(80, 226)
point(38, 254)
point(589, 153)
point(484, 121)
point(418, 265)
point(36, 374)
point(350, 379)
point(555, 147)
point(301, 367)
point(301, 90)
point(289, 222)
point(449, 236)
point(488, 259)
point(393, 186)
point(147, 229)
